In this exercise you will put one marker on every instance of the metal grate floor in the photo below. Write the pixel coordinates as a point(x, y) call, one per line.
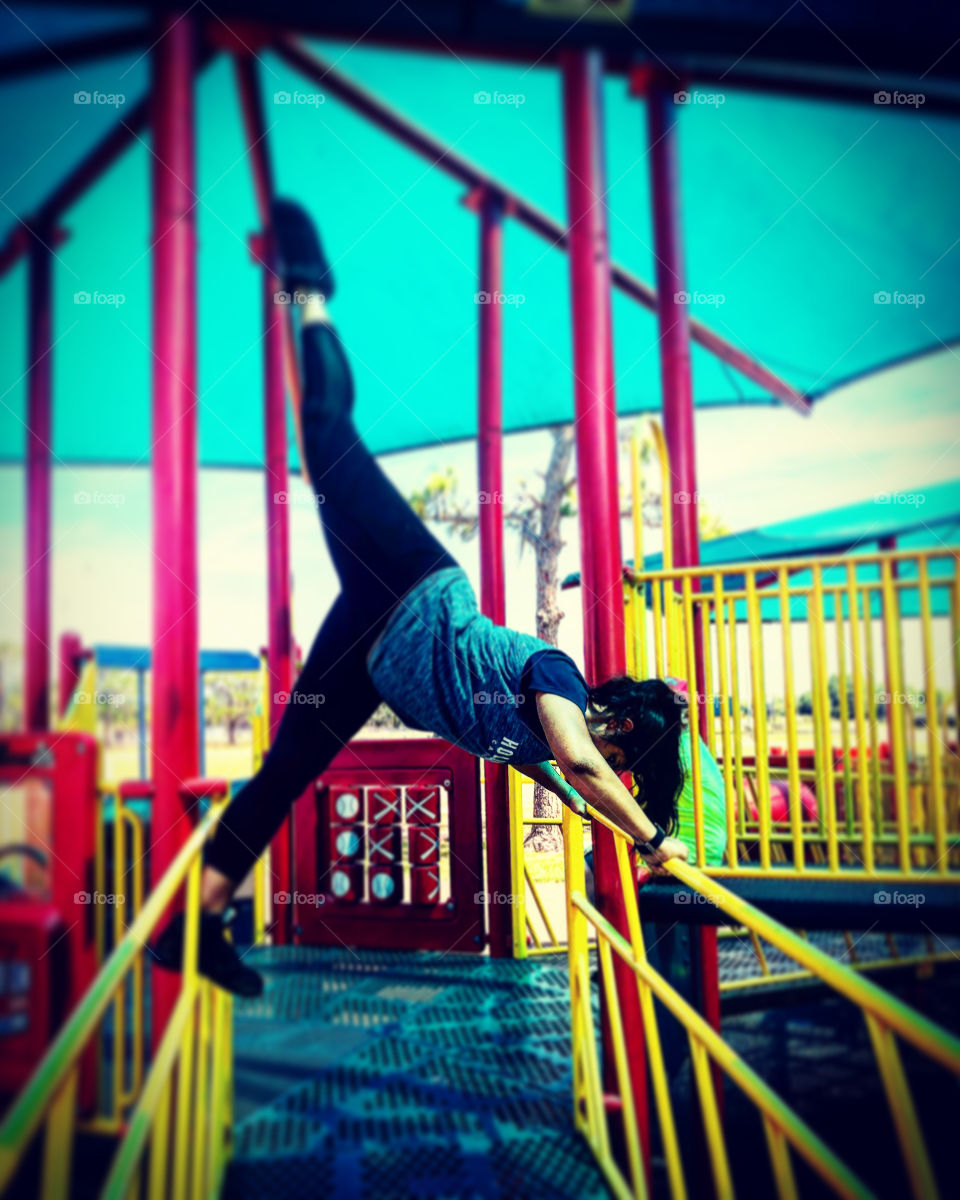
point(400, 1076)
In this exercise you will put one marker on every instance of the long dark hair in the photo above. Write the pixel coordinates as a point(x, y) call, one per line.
point(651, 748)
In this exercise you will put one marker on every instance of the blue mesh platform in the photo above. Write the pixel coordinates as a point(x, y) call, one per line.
point(398, 1075)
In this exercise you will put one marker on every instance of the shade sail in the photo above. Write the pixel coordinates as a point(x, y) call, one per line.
point(922, 519)
point(819, 238)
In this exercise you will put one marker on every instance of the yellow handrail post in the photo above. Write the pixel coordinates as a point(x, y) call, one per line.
point(737, 722)
point(759, 701)
point(58, 1145)
point(896, 710)
point(863, 781)
point(518, 905)
point(725, 739)
point(936, 792)
point(790, 712)
point(844, 698)
point(640, 594)
point(826, 782)
point(912, 1143)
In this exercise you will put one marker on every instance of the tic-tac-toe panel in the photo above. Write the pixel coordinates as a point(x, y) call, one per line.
point(389, 853)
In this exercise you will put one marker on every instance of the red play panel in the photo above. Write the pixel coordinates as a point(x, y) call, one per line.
point(389, 851)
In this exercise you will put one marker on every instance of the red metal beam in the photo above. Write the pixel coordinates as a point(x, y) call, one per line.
point(277, 482)
point(36, 680)
point(492, 581)
point(176, 655)
point(103, 155)
point(419, 140)
point(596, 428)
point(71, 52)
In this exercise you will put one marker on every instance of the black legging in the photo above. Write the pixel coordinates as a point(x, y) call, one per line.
point(380, 549)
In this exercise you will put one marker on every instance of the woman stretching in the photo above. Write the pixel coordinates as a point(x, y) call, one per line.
point(405, 628)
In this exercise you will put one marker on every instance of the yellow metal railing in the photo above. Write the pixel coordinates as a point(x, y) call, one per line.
point(546, 934)
point(787, 1134)
point(183, 1112)
point(116, 1093)
point(830, 761)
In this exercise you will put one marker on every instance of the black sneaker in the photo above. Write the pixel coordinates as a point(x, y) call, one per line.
point(217, 958)
point(301, 263)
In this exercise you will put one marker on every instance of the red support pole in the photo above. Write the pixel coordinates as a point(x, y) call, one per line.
point(492, 583)
point(280, 666)
point(279, 633)
point(176, 657)
point(36, 682)
point(596, 426)
point(678, 427)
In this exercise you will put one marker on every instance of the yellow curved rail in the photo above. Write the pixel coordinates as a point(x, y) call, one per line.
point(886, 1017)
point(197, 1042)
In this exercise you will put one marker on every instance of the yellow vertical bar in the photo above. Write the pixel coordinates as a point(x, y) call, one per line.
point(826, 790)
point(136, 971)
point(615, 1024)
point(780, 1160)
point(725, 739)
point(58, 1142)
point(574, 877)
point(722, 1179)
point(863, 782)
point(843, 694)
point(186, 1057)
point(694, 707)
point(651, 1031)
point(896, 709)
point(259, 916)
point(639, 591)
point(100, 935)
point(217, 1074)
point(759, 715)
point(737, 723)
point(923, 1183)
point(790, 708)
point(202, 1144)
point(876, 799)
point(954, 798)
point(706, 607)
point(936, 794)
point(159, 1147)
point(658, 588)
point(631, 645)
point(517, 880)
point(120, 1093)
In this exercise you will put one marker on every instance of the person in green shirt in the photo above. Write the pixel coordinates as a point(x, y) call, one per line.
point(713, 805)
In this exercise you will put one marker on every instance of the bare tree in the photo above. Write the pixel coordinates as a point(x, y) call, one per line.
point(536, 514)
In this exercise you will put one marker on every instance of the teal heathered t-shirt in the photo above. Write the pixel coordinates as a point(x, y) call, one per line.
point(714, 805)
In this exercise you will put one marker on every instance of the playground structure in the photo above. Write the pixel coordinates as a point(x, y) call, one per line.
point(880, 818)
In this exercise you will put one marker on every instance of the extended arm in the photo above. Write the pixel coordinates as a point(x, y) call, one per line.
point(586, 769)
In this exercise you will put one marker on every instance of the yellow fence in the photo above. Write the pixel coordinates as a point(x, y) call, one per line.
point(830, 691)
point(177, 1137)
point(889, 1022)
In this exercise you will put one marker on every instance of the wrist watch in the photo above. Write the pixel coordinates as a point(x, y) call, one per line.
point(647, 848)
